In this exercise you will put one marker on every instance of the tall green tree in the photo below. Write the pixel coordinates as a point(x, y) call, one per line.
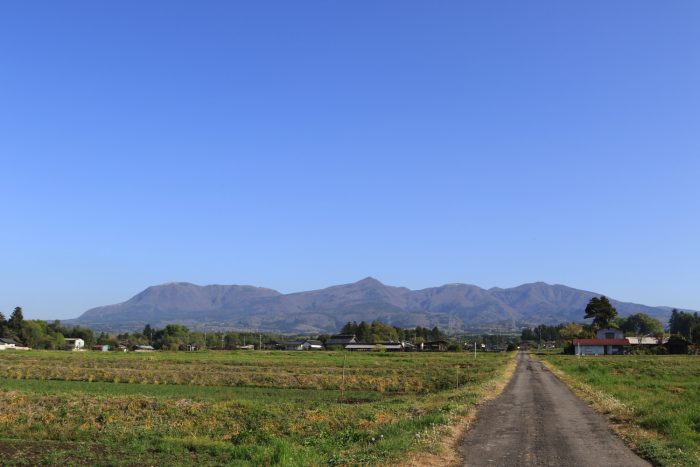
point(684, 324)
point(364, 333)
point(571, 331)
point(16, 320)
point(602, 312)
point(640, 324)
point(3, 325)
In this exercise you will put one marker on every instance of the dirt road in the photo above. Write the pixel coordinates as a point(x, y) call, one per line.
point(538, 421)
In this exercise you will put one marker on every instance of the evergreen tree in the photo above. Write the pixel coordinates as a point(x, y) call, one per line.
point(3, 325)
point(349, 328)
point(640, 324)
point(602, 312)
point(148, 332)
point(16, 320)
point(684, 324)
point(364, 332)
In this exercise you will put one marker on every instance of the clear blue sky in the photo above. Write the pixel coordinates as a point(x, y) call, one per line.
point(296, 145)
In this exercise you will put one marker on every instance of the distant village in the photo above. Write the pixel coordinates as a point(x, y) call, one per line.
point(606, 335)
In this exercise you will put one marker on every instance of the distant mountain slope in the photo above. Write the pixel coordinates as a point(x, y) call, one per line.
point(451, 307)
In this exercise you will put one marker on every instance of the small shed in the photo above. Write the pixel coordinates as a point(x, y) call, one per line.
point(101, 348)
point(434, 346)
point(74, 343)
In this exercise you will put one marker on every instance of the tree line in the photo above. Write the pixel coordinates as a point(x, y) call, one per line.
point(686, 325)
point(39, 334)
point(180, 337)
point(377, 331)
point(604, 315)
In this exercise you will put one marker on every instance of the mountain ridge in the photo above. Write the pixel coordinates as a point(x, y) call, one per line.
point(452, 307)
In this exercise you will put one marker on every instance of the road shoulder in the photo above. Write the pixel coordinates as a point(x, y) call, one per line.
point(618, 415)
point(447, 453)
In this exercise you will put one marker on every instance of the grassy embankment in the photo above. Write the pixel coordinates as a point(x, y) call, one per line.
point(241, 408)
point(653, 401)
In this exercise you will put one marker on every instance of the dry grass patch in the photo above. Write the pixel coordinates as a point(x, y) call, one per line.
point(442, 449)
point(652, 402)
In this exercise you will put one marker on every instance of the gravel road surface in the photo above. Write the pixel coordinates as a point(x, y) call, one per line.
point(538, 421)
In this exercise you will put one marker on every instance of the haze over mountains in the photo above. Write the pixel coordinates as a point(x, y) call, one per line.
point(452, 307)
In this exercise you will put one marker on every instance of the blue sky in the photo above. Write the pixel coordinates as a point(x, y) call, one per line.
point(297, 145)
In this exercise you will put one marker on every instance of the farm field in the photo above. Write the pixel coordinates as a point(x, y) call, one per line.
point(238, 408)
point(654, 401)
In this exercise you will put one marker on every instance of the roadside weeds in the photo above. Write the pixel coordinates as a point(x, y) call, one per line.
point(620, 417)
point(443, 448)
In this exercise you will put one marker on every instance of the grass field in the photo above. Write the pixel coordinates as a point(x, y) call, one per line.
point(238, 408)
point(654, 400)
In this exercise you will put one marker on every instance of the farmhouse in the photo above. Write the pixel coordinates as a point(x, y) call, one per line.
point(308, 344)
point(607, 342)
point(74, 343)
point(7, 343)
point(434, 346)
point(376, 346)
point(341, 340)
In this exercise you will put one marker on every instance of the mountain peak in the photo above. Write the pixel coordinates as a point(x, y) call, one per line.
point(246, 307)
point(369, 281)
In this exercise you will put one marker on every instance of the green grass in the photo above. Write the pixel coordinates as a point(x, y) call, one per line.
point(236, 408)
point(659, 394)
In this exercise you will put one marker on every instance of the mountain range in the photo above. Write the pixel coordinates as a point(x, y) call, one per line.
point(452, 307)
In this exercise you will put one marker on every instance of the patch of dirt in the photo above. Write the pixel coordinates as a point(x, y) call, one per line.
point(23, 452)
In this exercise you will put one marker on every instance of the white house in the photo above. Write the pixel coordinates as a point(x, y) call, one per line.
point(7, 343)
point(74, 343)
point(308, 344)
point(607, 342)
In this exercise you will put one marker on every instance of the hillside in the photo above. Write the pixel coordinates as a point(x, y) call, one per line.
point(452, 307)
